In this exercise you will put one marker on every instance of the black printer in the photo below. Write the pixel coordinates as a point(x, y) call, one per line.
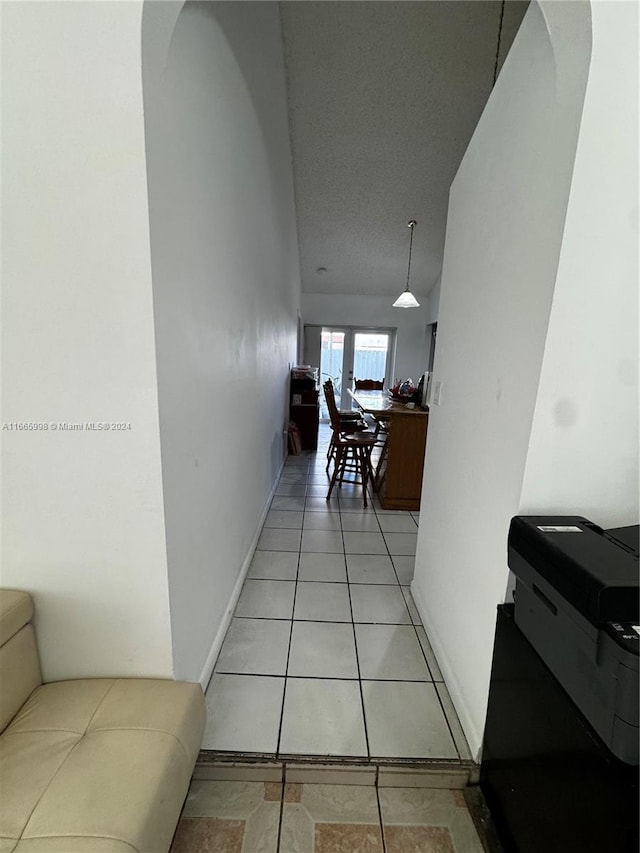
point(576, 601)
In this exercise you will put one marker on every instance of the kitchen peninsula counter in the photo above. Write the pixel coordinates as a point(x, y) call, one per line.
point(399, 480)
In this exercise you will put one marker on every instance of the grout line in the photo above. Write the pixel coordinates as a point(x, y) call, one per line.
point(389, 554)
point(281, 580)
point(281, 816)
point(355, 645)
point(286, 669)
point(334, 677)
point(446, 719)
point(424, 654)
point(384, 844)
point(353, 583)
point(330, 621)
point(434, 682)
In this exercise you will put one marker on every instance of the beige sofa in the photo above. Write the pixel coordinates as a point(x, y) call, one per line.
point(89, 766)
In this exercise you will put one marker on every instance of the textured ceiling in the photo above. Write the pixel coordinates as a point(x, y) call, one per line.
point(383, 99)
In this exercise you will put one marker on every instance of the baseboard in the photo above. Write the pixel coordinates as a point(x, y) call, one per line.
point(473, 737)
point(218, 640)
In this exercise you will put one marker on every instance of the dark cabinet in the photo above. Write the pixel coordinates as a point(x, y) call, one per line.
point(304, 406)
point(549, 781)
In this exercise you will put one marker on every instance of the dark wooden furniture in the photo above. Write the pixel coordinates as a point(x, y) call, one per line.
point(368, 384)
point(330, 397)
point(304, 409)
point(353, 456)
point(350, 448)
point(381, 422)
point(342, 422)
point(399, 474)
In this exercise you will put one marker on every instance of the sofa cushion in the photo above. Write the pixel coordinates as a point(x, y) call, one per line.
point(98, 766)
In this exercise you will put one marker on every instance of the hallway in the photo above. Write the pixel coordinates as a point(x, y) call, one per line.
point(326, 654)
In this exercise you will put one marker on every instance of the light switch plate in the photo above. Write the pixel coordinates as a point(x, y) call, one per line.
point(437, 394)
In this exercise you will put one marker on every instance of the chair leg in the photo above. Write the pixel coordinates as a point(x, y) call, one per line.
point(369, 465)
point(342, 467)
point(340, 451)
point(358, 458)
point(330, 448)
point(362, 459)
point(379, 466)
point(331, 452)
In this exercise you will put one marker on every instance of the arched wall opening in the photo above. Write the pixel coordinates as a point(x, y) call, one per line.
point(226, 295)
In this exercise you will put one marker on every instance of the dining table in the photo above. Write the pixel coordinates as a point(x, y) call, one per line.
point(400, 467)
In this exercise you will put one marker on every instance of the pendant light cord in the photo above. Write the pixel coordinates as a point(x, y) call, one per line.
point(495, 69)
point(412, 225)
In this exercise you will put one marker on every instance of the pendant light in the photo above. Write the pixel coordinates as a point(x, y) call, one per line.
point(406, 298)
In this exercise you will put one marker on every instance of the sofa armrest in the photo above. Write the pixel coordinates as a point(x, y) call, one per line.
point(19, 661)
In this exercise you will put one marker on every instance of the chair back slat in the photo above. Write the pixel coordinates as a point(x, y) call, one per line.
point(330, 397)
point(369, 384)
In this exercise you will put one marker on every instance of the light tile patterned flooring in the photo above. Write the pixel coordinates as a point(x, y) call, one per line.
point(259, 817)
point(326, 654)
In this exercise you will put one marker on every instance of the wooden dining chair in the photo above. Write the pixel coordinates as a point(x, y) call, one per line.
point(353, 455)
point(330, 397)
point(381, 423)
point(342, 421)
point(350, 448)
point(368, 384)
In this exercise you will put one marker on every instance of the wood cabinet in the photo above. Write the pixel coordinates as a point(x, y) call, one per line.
point(399, 479)
point(304, 407)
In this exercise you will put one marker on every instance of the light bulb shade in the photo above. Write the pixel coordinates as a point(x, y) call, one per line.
point(406, 300)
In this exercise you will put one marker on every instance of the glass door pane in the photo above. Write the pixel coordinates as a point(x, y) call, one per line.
point(332, 350)
point(346, 353)
point(370, 355)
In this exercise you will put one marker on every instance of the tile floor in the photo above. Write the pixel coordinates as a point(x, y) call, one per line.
point(326, 654)
point(259, 817)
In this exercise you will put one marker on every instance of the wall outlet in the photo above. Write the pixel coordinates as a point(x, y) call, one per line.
point(437, 394)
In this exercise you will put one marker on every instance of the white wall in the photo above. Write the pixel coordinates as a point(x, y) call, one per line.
point(506, 215)
point(82, 511)
point(343, 310)
point(583, 455)
point(433, 302)
point(226, 294)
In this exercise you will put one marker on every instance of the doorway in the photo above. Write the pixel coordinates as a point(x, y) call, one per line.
point(348, 352)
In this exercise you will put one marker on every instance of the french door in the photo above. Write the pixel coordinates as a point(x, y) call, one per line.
point(347, 352)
